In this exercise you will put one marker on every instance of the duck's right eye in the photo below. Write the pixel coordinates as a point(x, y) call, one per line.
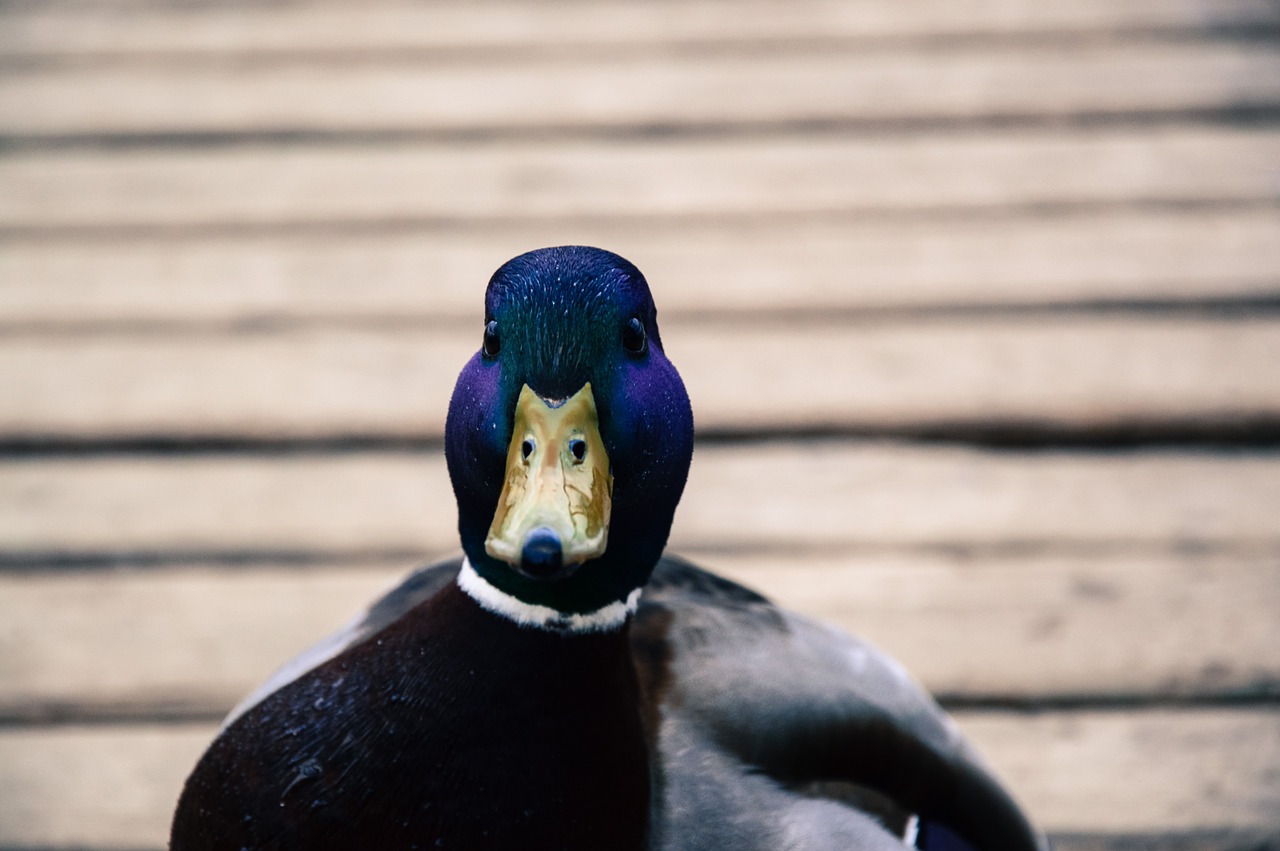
point(633, 336)
point(492, 342)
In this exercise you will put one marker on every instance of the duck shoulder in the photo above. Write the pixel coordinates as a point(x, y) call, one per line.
point(408, 593)
point(816, 718)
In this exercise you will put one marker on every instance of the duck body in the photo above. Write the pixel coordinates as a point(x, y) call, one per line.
point(759, 728)
point(529, 696)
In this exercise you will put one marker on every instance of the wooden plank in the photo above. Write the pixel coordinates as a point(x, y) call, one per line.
point(94, 787)
point(198, 639)
point(1099, 256)
point(507, 181)
point(818, 494)
point(1009, 627)
point(1083, 373)
point(53, 374)
point(397, 501)
point(1046, 627)
point(1128, 772)
point(1153, 770)
point(122, 30)
point(933, 85)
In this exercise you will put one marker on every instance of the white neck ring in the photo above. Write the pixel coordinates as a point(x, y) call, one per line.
point(491, 599)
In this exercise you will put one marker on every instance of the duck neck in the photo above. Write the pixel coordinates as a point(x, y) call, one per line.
point(546, 722)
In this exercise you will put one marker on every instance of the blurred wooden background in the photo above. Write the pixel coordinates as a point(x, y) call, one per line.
point(978, 302)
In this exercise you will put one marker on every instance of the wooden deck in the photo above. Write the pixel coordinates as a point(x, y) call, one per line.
point(978, 302)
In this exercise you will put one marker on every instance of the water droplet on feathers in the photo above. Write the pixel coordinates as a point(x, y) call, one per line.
point(306, 771)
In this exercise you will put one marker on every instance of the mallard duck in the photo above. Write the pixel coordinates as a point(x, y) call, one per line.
point(563, 684)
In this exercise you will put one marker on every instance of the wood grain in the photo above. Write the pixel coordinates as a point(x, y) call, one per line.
point(1180, 769)
point(94, 787)
point(1162, 256)
point(513, 181)
point(606, 90)
point(1082, 373)
point(802, 494)
point(115, 787)
point(1033, 627)
point(191, 640)
point(104, 30)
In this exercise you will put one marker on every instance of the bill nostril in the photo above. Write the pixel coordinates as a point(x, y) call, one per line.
point(526, 448)
point(578, 447)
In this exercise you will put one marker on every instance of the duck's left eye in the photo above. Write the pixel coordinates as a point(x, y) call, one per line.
point(492, 342)
point(633, 336)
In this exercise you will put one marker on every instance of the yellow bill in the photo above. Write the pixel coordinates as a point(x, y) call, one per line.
point(558, 483)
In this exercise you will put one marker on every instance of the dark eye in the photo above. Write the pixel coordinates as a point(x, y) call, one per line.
point(633, 337)
point(492, 343)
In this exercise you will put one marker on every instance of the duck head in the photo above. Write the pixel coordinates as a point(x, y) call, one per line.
point(568, 441)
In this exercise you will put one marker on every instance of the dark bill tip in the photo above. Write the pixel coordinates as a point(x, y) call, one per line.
point(542, 556)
